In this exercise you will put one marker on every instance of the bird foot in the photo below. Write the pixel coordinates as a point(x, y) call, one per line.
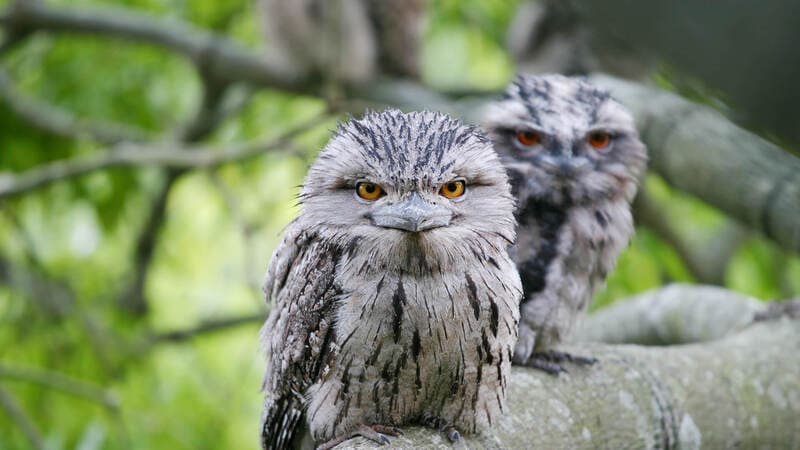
point(375, 433)
point(451, 433)
point(550, 361)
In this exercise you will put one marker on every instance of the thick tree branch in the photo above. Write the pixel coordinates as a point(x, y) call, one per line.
point(706, 257)
point(738, 392)
point(699, 151)
point(220, 57)
point(675, 314)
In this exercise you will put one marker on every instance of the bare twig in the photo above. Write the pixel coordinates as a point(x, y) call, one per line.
point(210, 113)
point(14, 410)
point(209, 326)
point(62, 122)
point(222, 58)
point(61, 383)
point(163, 155)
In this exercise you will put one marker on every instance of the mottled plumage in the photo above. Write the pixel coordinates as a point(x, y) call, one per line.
point(574, 182)
point(399, 310)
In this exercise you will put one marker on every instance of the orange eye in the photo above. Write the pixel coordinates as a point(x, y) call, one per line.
point(599, 140)
point(528, 138)
point(368, 191)
point(453, 189)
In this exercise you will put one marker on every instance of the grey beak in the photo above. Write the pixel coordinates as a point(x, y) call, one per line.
point(413, 214)
point(563, 166)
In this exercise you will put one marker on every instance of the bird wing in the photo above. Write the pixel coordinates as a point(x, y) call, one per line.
point(299, 332)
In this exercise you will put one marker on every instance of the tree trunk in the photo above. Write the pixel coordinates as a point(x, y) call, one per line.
point(742, 391)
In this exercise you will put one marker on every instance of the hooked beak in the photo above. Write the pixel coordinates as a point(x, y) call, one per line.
point(562, 166)
point(413, 214)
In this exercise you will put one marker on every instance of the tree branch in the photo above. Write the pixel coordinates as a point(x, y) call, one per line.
point(206, 118)
point(62, 383)
point(220, 57)
point(675, 314)
point(61, 122)
point(160, 155)
point(699, 151)
point(738, 392)
point(9, 403)
point(706, 257)
point(209, 326)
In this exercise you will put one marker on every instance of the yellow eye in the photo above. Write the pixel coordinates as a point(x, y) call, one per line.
point(453, 189)
point(368, 191)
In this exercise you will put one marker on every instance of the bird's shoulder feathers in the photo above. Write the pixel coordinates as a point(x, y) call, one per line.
point(299, 333)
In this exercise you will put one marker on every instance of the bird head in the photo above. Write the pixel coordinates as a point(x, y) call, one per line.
point(416, 188)
point(565, 141)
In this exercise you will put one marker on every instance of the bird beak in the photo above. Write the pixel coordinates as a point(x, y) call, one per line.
point(413, 214)
point(564, 167)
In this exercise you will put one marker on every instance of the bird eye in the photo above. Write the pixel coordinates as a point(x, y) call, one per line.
point(599, 139)
point(368, 191)
point(528, 138)
point(453, 189)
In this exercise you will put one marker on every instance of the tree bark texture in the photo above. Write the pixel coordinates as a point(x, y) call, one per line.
point(676, 314)
point(742, 391)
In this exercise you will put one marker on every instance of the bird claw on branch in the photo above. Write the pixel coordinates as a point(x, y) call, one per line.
point(375, 433)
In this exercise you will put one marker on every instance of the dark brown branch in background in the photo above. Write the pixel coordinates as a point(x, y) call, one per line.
point(205, 120)
point(209, 326)
point(15, 412)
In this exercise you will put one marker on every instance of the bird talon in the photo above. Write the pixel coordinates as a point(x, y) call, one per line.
point(374, 433)
point(453, 435)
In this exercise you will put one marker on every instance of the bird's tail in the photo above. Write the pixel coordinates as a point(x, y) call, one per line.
point(281, 423)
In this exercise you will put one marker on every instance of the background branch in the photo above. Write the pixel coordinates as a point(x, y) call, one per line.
point(701, 152)
point(61, 122)
point(675, 314)
point(61, 383)
point(175, 155)
point(706, 257)
point(15, 412)
point(209, 326)
point(222, 58)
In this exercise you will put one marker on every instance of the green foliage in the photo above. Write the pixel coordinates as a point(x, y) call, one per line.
point(72, 244)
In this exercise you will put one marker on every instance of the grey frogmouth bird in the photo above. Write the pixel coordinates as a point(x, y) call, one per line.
point(574, 159)
point(394, 300)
